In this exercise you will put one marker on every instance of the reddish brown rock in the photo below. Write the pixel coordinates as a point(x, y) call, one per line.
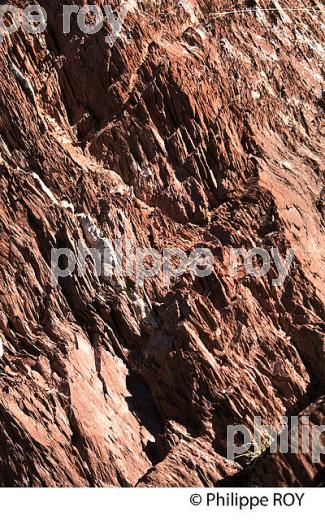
point(193, 129)
point(300, 466)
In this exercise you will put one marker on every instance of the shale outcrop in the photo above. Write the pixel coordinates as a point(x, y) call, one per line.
point(193, 129)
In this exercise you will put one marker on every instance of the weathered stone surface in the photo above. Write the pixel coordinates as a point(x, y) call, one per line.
point(300, 466)
point(193, 129)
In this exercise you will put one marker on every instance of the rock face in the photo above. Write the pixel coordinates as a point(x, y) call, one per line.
point(193, 129)
point(297, 466)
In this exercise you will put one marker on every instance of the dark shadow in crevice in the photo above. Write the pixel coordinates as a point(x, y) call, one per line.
point(141, 404)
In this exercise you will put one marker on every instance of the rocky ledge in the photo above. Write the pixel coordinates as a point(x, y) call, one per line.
point(197, 127)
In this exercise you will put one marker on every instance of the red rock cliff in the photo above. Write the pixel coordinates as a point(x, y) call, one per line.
point(193, 129)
